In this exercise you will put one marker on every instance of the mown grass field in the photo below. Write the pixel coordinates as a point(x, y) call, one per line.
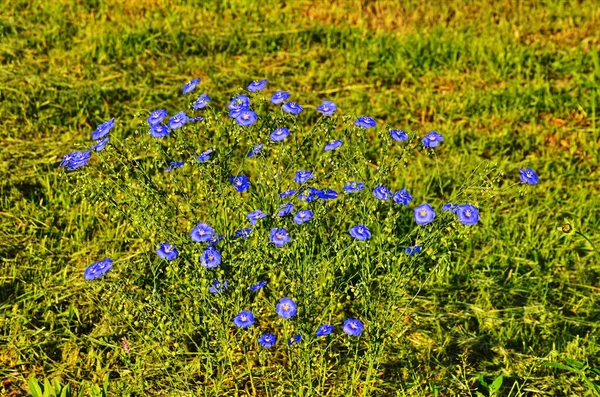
point(512, 82)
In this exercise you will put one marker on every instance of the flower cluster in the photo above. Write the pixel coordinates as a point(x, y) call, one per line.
point(76, 160)
point(240, 111)
point(287, 308)
point(308, 188)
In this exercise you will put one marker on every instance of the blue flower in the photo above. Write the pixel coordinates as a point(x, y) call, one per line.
point(295, 339)
point(214, 239)
point(204, 156)
point(528, 176)
point(286, 308)
point(244, 233)
point(202, 233)
point(424, 214)
point(241, 183)
point(189, 87)
point(257, 85)
point(280, 134)
point(159, 131)
point(327, 108)
point(292, 108)
point(382, 193)
point(327, 194)
point(287, 193)
point(353, 327)
point(411, 250)
point(333, 145)
point(267, 340)
point(254, 216)
point(103, 129)
point(354, 187)
point(239, 102)
point(235, 113)
point(67, 159)
point(173, 165)
point(244, 319)
point(365, 122)
point(237, 105)
point(217, 287)
point(156, 117)
point(398, 135)
point(303, 216)
point(303, 176)
point(201, 102)
point(402, 197)
point(279, 237)
point(178, 120)
point(79, 159)
point(257, 286)
point(98, 269)
point(210, 257)
point(324, 330)
point(279, 97)
point(432, 139)
point(318, 193)
point(467, 214)
point(75, 160)
point(99, 145)
point(167, 251)
point(285, 209)
point(309, 195)
point(450, 207)
point(246, 118)
point(256, 150)
point(360, 232)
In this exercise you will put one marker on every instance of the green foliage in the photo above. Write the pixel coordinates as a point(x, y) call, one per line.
point(330, 276)
point(492, 388)
point(586, 373)
point(57, 389)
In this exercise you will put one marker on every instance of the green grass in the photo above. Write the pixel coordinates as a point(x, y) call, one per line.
point(509, 82)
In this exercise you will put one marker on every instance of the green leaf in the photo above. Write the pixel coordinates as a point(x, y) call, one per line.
point(81, 390)
point(57, 386)
point(482, 381)
point(34, 388)
point(592, 385)
point(105, 386)
point(559, 366)
point(575, 363)
point(48, 388)
point(66, 391)
point(497, 384)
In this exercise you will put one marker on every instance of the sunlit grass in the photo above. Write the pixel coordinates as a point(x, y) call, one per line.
point(516, 85)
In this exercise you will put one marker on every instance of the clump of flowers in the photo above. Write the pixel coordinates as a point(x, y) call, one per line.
point(274, 204)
